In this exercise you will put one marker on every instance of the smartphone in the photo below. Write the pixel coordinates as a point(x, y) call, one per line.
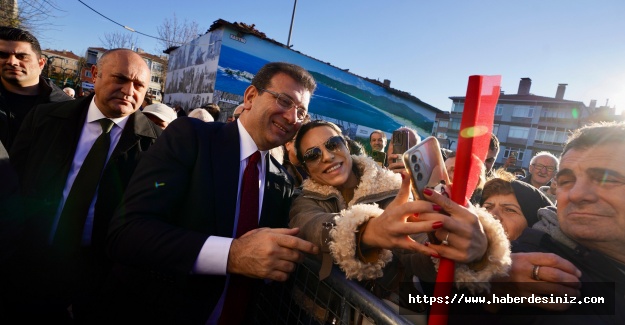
point(426, 167)
point(400, 142)
point(379, 157)
point(424, 162)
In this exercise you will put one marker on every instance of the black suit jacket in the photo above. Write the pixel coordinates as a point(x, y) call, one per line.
point(42, 155)
point(185, 190)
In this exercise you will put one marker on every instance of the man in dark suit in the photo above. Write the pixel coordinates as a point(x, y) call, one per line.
point(175, 227)
point(60, 264)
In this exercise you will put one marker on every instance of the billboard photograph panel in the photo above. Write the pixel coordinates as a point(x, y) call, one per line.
point(341, 96)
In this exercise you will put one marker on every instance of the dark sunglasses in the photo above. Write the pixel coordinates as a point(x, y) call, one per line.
point(313, 154)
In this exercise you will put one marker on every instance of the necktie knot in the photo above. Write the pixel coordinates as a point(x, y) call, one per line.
point(106, 125)
point(254, 158)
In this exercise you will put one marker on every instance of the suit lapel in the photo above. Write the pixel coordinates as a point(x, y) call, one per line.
point(136, 127)
point(68, 120)
point(226, 174)
point(277, 192)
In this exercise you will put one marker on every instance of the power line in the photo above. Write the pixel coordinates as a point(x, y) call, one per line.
point(129, 28)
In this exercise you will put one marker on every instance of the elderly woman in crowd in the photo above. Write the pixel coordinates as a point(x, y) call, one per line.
point(514, 203)
point(357, 212)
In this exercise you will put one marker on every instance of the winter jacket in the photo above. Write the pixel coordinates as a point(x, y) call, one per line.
point(9, 126)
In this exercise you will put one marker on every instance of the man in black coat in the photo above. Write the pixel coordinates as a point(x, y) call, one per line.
point(175, 229)
point(21, 86)
point(51, 149)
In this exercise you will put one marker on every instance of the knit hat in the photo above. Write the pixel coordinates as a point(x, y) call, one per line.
point(530, 199)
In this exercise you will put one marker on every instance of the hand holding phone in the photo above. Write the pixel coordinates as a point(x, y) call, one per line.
point(400, 142)
point(424, 162)
point(426, 167)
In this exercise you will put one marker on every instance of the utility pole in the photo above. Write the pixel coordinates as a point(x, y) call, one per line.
point(288, 42)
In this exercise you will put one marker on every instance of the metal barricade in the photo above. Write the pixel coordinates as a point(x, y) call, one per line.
point(303, 299)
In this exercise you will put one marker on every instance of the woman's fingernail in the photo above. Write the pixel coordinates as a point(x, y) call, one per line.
point(435, 256)
point(427, 192)
point(427, 243)
point(437, 224)
point(402, 175)
point(416, 215)
point(436, 207)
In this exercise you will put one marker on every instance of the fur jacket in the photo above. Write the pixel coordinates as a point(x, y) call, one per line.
point(326, 220)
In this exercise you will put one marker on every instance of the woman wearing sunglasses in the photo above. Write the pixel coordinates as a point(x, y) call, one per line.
point(357, 212)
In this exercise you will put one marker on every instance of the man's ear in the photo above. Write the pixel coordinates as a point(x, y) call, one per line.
point(250, 93)
point(94, 72)
point(42, 62)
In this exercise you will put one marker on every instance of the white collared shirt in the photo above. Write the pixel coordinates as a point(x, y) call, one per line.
point(91, 130)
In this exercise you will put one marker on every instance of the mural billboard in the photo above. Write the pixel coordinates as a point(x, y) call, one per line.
point(218, 67)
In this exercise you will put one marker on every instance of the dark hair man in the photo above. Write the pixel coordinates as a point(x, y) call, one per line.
point(377, 140)
point(21, 86)
point(74, 160)
point(187, 215)
point(491, 155)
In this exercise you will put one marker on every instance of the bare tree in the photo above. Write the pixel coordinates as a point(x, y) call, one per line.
point(174, 32)
point(27, 14)
point(119, 40)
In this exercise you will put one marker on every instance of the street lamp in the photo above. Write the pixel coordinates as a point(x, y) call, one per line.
point(288, 42)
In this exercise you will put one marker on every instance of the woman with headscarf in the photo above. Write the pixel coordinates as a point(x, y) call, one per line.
point(514, 203)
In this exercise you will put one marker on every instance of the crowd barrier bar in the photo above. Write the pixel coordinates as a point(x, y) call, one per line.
point(303, 299)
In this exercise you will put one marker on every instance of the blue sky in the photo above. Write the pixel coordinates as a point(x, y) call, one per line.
point(427, 48)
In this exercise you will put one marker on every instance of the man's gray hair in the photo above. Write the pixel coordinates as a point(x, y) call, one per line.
point(596, 134)
point(546, 154)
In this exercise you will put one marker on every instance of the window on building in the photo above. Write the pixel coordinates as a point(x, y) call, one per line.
point(495, 129)
point(557, 113)
point(88, 74)
point(458, 107)
point(156, 79)
point(443, 124)
point(154, 92)
point(499, 109)
point(556, 136)
point(518, 151)
point(523, 111)
point(455, 124)
point(518, 132)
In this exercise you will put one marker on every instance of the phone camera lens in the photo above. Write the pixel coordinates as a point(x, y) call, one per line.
point(419, 177)
point(413, 159)
point(417, 168)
